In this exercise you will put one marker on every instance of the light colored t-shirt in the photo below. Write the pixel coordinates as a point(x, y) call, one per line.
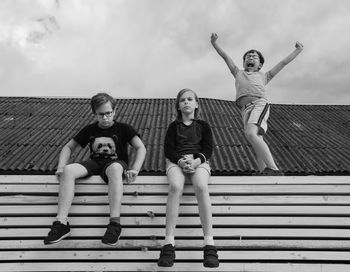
point(251, 84)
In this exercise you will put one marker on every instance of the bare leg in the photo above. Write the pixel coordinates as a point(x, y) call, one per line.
point(114, 173)
point(200, 181)
point(176, 181)
point(70, 173)
point(260, 157)
point(262, 151)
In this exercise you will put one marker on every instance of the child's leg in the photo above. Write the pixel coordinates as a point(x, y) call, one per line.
point(200, 181)
point(70, 173)
point(176, 181)
point(114, 172)
point(260, 147)
point(260, 158)
point(60, 228)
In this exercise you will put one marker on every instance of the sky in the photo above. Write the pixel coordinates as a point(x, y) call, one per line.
point(155, 48)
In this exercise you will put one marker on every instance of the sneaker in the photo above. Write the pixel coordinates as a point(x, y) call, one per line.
point(270, 172)
point(167, 256)
point(112, 234)
point(58, 232)
point(210, 256)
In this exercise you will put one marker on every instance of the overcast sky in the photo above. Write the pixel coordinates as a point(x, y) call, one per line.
point(154, 48)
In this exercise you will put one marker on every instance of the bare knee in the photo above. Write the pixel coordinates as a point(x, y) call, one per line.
point(114, 172)
point(200, 188)
point(175, 189)
point(73, 171)
point(176, 181)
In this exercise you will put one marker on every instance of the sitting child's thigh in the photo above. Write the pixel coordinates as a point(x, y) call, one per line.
point(174, 172)
point(205, 168)
point(202, 174)
point(77, 170)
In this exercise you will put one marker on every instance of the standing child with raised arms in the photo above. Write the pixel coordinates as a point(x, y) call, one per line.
point(188, 145)
point(251, 98)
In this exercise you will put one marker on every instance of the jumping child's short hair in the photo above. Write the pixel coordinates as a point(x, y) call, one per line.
point(177, 104)
point(261, 57)
point(100, 99)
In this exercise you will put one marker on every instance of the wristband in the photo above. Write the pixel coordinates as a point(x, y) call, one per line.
point(200, 156)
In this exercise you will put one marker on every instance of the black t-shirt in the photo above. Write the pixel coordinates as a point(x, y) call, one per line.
point(123, 132)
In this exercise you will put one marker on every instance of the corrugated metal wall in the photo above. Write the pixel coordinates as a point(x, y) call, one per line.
point(304, 139)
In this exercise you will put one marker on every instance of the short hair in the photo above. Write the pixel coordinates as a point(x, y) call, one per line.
point(100, 99)
point(261, 57)
point(177, 104)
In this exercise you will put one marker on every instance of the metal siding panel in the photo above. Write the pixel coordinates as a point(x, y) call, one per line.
point(305, 139)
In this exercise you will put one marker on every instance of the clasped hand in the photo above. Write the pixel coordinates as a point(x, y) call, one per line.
point(188, 165)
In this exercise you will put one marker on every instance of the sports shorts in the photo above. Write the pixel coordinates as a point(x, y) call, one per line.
point(256, 112)
point(99, 166)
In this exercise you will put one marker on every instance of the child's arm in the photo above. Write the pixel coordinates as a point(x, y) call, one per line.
point(139, 158)
point(231, 65)
point(170, 148)
point(65, 154)
point(275, 70)
point(169, 145)
point(207, 144)
point(207, 147)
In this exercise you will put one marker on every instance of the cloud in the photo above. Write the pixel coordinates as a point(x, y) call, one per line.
point(153, 48)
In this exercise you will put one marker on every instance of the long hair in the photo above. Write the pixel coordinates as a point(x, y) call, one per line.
point(100, 99)
point(177, 104)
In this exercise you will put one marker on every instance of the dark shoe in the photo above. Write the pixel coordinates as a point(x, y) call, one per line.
point(210, 256)
point(112, 234)
point(167, 256)
point(270, 172)
point(58, 232)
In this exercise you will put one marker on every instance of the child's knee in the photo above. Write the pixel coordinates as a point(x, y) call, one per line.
point(114, 170)
point(200, 188)
point(73, 170)
point(175, 188)
point(67, 170)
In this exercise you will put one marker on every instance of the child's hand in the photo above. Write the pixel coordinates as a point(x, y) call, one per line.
point(131, 175)
point(299, 46)
point(182, 163)
point(188, 169)
point(59, 172)
point(194, 163)
point(191, 165)
point(213, 37)
point(186, 166)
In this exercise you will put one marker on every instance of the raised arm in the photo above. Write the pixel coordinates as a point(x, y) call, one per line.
point(279, 66)
point(231, 65)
